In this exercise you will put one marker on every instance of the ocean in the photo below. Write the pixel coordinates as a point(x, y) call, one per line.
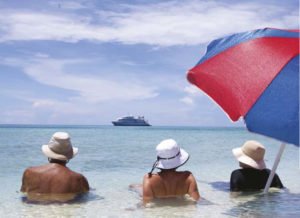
point(112, 158)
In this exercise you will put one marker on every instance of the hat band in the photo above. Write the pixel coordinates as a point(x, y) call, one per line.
point(162, 158)
point(168, 158)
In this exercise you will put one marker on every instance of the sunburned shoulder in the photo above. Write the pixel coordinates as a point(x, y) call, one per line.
point(76, 175)
point(35, 169)
point(185, 172)
point(51, 168)
point(151, 179)
point(148, 176)
point(65, 171)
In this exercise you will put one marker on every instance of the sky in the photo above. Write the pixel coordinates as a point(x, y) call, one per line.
point(89, 62)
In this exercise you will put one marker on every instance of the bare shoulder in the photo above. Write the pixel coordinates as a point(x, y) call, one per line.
point(30, 179)
point(192, 187)
point(190, 176)
point(151, 180)
point(185, 174)
point(146, 179)
point(147, 188)
point(80, 181)
point(152, 177)
point(76, 175)
point(32, 170)
point(38, 169)
point(27, 172)
point(147, 176)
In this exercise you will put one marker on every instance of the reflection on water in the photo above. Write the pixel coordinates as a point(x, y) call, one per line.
point(221, 186)
point(113, 158)
point(136, 188)
point(204, 201)
point(172, 202)
point(277, 203)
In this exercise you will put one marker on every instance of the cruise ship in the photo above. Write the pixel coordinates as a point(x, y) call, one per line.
point(131, 121)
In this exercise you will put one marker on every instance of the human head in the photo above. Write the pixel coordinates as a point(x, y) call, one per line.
point(251, 154)
point(60, 147)
point(169, 155)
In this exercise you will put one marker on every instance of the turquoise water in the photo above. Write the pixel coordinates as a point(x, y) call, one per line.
point(112, 158)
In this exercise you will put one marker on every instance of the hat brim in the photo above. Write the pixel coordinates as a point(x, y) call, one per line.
point(243, 158)
point(49, 153)
point(178, 161)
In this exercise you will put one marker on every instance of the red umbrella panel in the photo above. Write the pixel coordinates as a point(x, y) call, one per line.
point(255, 75)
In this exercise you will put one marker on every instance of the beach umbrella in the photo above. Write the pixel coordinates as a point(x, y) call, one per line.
point(255, 75)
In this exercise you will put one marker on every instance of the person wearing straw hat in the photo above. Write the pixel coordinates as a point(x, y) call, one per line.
point(169, 182)
point(55, 177)
point(254, 174)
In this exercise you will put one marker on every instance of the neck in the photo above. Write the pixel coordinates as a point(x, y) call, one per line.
point(168, 170)
point(60, 162)
point(242, 165)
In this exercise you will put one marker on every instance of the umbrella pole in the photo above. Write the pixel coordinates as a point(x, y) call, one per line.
point(276, 162)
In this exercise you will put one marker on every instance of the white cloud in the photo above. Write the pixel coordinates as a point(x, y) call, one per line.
point(187, 100)
point(17, 116)
point(41, 55)
point(163, 24)
point(192, 90)
point(43, 103)
point(69, 5)
point(192, 93)
point(129, 63)
point(90, 89)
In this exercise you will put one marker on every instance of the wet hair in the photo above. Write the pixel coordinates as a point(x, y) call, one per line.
point(153, 167)
point(51, 160)
point(168, 169)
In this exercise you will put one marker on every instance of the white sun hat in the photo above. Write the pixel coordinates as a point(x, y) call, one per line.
point(60, 147)
point(170, 155)
point(252, 154)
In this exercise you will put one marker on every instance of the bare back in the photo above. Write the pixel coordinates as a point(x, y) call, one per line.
point(169, 184)
point(53, 178)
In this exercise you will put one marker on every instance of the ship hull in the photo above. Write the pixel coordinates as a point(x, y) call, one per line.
point(130, 124)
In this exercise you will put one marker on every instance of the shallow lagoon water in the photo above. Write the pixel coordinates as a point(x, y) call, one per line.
point(112, 158)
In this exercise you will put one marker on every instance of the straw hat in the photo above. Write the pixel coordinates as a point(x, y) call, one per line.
point(60, 147)
point(251, 153)
point(169, 155)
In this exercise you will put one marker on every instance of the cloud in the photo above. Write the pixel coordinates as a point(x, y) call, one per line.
point(92, 89)
point(129, 63)
point(43, 103)
point(68, 5)
point(41, 55)
point(187, 100)
point(162, 24)
point(192, 90)
point(192, 93)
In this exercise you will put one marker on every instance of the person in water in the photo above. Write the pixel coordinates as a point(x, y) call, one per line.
point(253, 174)
point(169, 182)
point(55, 177)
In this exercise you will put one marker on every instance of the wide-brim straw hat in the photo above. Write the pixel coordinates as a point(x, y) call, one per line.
point(60, 147)
point(252, 154)
point(170, 155)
